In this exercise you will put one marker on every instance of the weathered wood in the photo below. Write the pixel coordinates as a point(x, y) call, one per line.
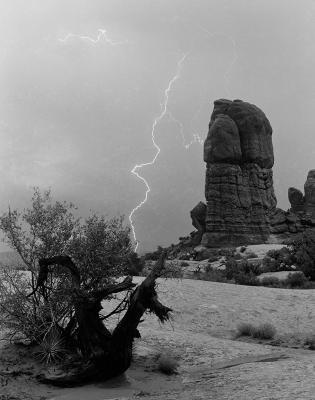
point(105, 354)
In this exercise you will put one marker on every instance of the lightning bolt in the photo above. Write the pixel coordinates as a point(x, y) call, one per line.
point(196, 137)
point(164, 111)
point(156, 121)
point(102, 34)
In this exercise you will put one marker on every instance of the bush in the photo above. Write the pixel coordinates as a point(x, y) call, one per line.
point(271, 281)
point(243, 273)
point(296, 280)
point(167, 364)
point(269, 264)
point(303, 252)
point(278, 260)
point(263, 331)
point(310, 342)
point(100, 248)
point(172, 270)
point(231, 268)
point(249, 279)
point(212, 275)
point(52, 348)
point(245, 329)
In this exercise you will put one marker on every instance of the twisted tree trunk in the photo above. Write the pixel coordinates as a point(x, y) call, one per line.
point(105, 354)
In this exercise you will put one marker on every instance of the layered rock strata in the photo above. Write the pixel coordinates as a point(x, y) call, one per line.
point(239, 190)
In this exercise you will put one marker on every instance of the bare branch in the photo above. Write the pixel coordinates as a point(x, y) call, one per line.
point(64, 261)
point(126, 284)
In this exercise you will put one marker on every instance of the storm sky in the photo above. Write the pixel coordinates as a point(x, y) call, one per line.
point(76, 116)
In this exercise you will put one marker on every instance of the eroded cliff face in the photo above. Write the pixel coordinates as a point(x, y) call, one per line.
point(239, 190)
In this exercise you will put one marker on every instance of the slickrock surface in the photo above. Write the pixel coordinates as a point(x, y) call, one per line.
point(239, 185)
point(212, 364)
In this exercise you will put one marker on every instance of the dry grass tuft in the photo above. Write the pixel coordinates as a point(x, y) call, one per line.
point(167, 364)
point(263, 331)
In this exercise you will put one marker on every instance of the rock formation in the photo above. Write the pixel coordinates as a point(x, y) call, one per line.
point(198, 218)
point(309, 197)
point(241, 204)
point(239, 185)
point(301, 215)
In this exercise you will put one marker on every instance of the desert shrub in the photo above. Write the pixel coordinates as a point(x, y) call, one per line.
point(231, 268)
point(245, 329)
point(172, 270)
point(212, 275)
point(278, 260)
point(296, 280)
point(244, 278)
point(310, 342)
point(263, 331)
point(243, 249)
point(167, 364)
point(248, 267)
point(303, 253)
point(100, 248)
point(242, 272)
point(52, 348)
point(269, 264)
point(271, 281)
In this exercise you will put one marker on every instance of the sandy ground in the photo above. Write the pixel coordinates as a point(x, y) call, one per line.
point(213, 365)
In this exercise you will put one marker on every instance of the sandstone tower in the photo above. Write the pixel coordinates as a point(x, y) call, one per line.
point(239, 190)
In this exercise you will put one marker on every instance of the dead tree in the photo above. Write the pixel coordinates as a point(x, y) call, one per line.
point(104, 354)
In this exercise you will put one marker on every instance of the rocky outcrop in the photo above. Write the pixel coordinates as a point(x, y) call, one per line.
point(239, 184)
point(296, 199)
point(198, 218)
point(309, 197)
point(301, 215)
